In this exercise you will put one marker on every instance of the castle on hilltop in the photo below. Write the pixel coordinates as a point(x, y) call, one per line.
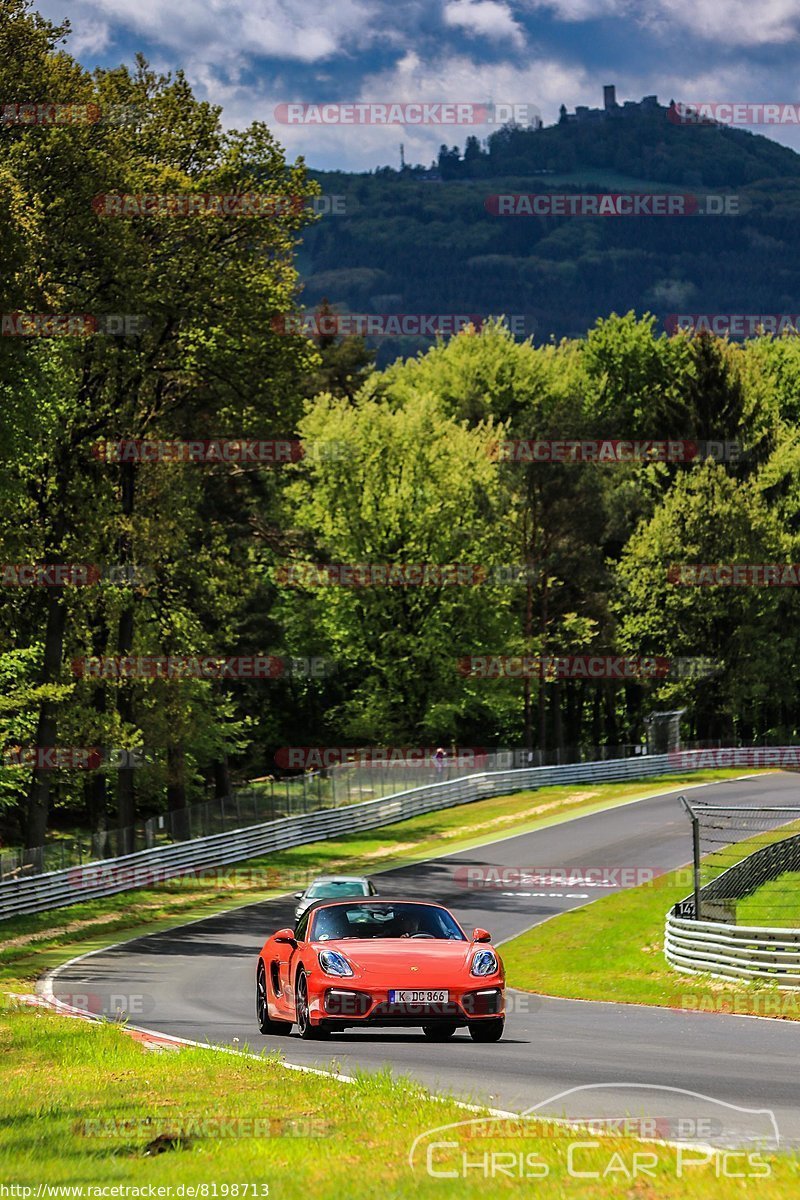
point(610, 109)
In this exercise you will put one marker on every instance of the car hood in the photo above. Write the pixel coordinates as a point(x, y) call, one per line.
point(385, 956)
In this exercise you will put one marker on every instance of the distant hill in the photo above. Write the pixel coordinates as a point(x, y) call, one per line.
point(644, 143)
point(422, 240)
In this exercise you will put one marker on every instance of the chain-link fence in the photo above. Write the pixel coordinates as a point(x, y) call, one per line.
point(261, 801)
point(746, 862)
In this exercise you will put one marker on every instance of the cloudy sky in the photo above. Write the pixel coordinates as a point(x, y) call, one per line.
point(252, 55)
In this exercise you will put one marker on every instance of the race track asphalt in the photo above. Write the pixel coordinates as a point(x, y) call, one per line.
point(197, 982)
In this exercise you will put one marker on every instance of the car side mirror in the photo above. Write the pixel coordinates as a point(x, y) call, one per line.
point(481, 935)
point(298, 895)
point(286, 937)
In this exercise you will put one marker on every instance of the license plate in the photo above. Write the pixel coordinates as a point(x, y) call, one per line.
point(408, 996)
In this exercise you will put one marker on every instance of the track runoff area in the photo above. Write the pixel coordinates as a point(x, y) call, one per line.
point(706, 1080)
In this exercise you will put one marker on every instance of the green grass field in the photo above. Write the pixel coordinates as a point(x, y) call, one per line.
point(84, 1105)
point(775, 904)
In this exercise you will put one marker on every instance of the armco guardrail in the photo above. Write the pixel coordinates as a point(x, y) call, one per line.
point(369, 774)
point(715, 944)
point(55, 889)
point(733, 951)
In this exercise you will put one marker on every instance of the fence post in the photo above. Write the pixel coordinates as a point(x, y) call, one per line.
point(696, 858)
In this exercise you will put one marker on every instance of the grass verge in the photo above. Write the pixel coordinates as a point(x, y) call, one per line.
point(88, 1106)
point(775, 904)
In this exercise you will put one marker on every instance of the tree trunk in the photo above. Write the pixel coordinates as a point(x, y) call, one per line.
point(176, 791)
point(126, 795)
point(96, 789)
point(543, 622)
point(526, 681)
point(596, 698)
point(38, 804)
point(47, 725)
point(610, 699)
point(558, 728)
point(222, 778)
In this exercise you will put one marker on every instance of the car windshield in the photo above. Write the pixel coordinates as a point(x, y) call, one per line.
point(332, 888)
point(371, 920)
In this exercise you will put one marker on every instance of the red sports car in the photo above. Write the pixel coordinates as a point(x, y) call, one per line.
point(380, 962)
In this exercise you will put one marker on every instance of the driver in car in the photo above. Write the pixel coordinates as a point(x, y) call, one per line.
point(407, 925)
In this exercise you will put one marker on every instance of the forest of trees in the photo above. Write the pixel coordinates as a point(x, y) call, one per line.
point(401, 467)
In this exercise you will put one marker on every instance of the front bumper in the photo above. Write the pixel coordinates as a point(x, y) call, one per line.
point(340, 1006)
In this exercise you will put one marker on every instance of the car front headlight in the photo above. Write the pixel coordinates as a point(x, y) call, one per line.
point(484, 963)
point(334, 963)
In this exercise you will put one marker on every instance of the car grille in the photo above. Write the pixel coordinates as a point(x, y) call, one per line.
point(448, 1009)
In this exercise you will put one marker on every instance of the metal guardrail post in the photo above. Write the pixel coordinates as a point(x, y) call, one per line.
point(695, 854)
point(696, 866)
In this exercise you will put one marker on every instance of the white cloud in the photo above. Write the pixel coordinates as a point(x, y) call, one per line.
point(92, 37)
point(484, 18)
point(734, 22)
point(583, 10)
point(229, 31)
point(726, 22)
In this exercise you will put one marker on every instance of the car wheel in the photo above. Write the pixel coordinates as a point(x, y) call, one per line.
point(487, 1031)
point(306, 1030)
point(439, 1033)
point(265, 1022)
